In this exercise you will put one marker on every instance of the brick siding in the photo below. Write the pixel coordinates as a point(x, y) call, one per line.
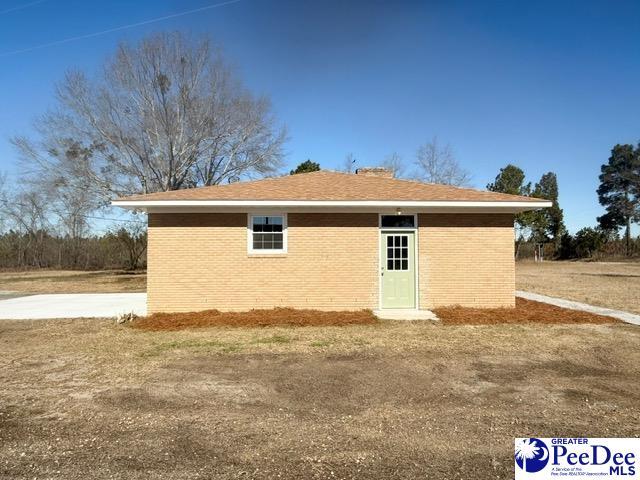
point(199, 261)
point(466, 259)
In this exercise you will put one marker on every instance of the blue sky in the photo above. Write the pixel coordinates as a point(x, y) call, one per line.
point(544, 85)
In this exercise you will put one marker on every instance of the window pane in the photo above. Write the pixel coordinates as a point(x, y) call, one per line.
point(389, 264)
point(405, 264)
point(397, 265)
point(268, 241)
point(389, 241)
point(397, 241)
point(389, 252)
point(398, 253)
point(398, 221)
point(268, 223)
point(404, 241)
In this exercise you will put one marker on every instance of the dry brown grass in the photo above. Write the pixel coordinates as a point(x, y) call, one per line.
point(526, 311)
point(71, 281)
point(253, 318)
point(395, 400)
point(606, 284)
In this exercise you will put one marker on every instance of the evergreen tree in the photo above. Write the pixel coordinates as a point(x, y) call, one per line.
point(588, 241)
point(548, 223)
point(306, 167)
point(511, 180)
point(619, 190)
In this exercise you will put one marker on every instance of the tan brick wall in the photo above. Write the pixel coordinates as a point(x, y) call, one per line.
point(466, 259)
point(200, 261)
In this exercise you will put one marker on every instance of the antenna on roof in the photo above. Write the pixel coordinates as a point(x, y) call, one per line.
point(349, 163)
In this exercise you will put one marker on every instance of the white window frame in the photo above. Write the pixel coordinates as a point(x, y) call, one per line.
point(250, 249)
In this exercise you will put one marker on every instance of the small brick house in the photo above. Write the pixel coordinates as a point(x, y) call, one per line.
point(330, 241)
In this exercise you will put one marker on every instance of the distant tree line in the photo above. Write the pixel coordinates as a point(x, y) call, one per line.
point(119, 249)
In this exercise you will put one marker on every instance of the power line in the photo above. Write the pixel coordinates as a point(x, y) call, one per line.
point(116, 29)
point(21, 7)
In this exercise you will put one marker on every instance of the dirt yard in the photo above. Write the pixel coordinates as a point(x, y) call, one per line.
point(397, 400)
point(69, 281)
point(606, 284)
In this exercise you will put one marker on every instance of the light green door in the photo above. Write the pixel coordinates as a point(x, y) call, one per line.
point(398, 270)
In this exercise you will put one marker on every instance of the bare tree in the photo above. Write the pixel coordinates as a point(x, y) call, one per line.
point(165, 114)
point(394, 163)
point(3, 194)
point(27, 212)
point(436, 164)
point(70, 208)
point(133, 240)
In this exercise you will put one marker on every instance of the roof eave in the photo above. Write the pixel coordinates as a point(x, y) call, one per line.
point(359, 205)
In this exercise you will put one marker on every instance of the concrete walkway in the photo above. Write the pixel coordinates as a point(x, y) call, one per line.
point(560, 302)
point(404, 314)
point(76, 305)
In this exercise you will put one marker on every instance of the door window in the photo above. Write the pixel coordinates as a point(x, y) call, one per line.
point(397, 252)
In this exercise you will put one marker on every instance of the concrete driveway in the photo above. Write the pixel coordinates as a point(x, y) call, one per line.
point(76, 305)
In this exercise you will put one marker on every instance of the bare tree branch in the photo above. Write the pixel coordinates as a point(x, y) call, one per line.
point(395, 164)
point(165, 114)
point(436, 164)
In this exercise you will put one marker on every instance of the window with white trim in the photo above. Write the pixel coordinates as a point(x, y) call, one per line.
point(267, 233)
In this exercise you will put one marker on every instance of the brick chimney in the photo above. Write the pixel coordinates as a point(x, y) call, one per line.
point(375, 172)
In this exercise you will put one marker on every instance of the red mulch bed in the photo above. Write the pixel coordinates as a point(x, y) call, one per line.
point(253, 318)
point(526, 311)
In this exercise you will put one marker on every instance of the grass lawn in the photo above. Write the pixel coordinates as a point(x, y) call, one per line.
point(606, 284)
point(70, 281)
point(89, 399)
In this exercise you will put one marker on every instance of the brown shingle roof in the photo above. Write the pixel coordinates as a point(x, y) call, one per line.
point(332, 186)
